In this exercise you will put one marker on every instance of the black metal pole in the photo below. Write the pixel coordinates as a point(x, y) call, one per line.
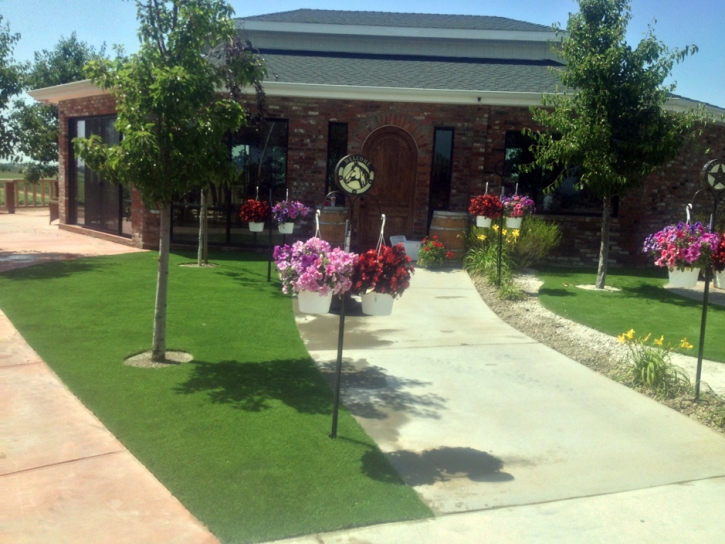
point(340, 340)
point(705, 300)
point(500, 247)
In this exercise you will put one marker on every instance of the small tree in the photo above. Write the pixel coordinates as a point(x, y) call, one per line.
point(609, 120)
point(10, 85)
point(172, 119)
point(37, 124)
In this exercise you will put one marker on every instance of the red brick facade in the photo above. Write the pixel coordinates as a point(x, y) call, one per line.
point(479, 143)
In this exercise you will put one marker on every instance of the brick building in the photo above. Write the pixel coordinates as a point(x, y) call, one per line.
point(437, 102)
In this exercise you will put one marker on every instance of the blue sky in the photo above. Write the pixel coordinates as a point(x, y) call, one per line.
point(679, 23)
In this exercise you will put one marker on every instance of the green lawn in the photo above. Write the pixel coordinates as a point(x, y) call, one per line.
point(240, 435)
point(642, 304)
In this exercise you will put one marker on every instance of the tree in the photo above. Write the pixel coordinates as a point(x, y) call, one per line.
point(10, 85)
point(610, 120)
point(37, 124)
point(171, 117)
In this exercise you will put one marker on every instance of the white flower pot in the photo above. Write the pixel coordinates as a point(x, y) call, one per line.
point(286, 228)
point(720, 279)
point(483, 222)
point(311, 302)
point(684, 278)
point(377, 303)
point(514, 222)
point(256, 227)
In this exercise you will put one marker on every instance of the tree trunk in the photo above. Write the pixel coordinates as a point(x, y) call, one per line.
point(158, 349)
point(202, 254)
point(604, 243)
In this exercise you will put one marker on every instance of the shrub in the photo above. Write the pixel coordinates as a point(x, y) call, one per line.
point(538, 237)
point(433, 253)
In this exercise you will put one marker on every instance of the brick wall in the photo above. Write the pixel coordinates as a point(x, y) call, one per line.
point(479, 144)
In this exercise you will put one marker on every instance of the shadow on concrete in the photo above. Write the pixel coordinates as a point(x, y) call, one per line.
point(369, 392)
point(445, 464)
point(253, 386)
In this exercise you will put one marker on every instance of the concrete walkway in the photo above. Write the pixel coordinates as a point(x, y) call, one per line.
point(64, 478)
point(510, 441)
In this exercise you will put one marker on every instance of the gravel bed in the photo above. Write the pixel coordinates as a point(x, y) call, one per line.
point(594, 349)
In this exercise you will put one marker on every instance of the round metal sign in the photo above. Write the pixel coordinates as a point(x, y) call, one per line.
point(354, 174)
point(713, 175)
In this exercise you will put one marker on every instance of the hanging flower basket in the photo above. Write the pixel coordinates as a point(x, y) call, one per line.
point(377, 303)
point(255, 212)
point(286, 228)
point(313, 267)
point(683, 247)
point(718, 264)
point(312, 302)
point(685, 278)
point(514, 209)
point(286, 213)
point(485, 208)
point(514, 222)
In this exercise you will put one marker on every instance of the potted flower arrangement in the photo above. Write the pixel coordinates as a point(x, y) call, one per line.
point(485, 208)
point(255, 212)
point(718, 263)
point(514, 209)
point(315, 272)
point(683, 249)
point(433, 253)
point(286, 213)
point(381, 276)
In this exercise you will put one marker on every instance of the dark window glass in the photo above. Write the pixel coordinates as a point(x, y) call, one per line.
point(336, 149)
point(260, 155)
point(98, 203)
point(440, 182)
point(565, 199)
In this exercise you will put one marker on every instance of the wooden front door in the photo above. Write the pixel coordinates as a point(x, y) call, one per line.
point(394, 156)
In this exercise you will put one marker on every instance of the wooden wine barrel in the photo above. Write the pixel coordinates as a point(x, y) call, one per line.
point(451, 229)
point(332, 225)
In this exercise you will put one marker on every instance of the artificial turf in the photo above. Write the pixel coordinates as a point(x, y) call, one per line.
point(642, 304)
point(239, 435)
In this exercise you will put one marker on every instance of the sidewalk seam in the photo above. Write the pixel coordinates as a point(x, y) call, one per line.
point(78, 459)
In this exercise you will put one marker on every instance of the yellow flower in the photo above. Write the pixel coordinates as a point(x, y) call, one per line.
point(481, 237)
point(646, 338)
point(515, 233)
point(630, 334)
point(621, 338)
point(504, 232)
point(495, 227)
point(660, 341)
point(685, 344)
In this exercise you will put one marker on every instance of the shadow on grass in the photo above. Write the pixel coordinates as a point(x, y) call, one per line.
point(56, 268)
point(371, 393)
point(253, 386)
point(556, 292)
point(439, 465)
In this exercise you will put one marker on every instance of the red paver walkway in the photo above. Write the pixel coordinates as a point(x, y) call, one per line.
point(63, 476)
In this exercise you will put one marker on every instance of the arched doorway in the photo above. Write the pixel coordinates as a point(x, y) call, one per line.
point(394, 155)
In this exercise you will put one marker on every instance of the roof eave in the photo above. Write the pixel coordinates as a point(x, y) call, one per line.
point(67, 91)
point(396, 31)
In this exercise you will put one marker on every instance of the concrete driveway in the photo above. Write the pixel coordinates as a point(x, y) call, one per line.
point(508, 440)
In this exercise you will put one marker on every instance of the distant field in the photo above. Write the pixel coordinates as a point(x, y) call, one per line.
point(10, 175)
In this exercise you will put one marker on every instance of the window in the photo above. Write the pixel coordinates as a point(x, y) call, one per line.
point(442, 167)
point(565, 199)
point(260, 157)
point(95, 202)
point(336, 149)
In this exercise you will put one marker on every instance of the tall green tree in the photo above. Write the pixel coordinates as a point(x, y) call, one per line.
point(10, 86)
point(171, 116)
point(609, 119)
point(36, 124)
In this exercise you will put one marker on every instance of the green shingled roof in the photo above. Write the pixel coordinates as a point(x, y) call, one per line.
point(413, 20)
point(410, 73)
